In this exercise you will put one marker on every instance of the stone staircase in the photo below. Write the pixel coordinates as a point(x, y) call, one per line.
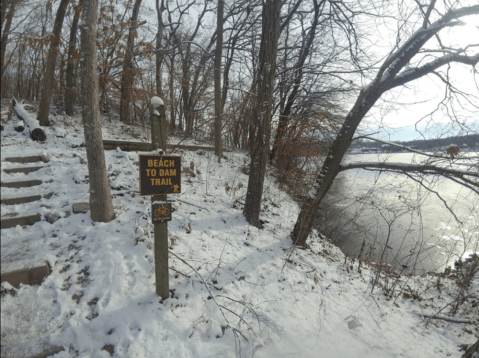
point(18, 264)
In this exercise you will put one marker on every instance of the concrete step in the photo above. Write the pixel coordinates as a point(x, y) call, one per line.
point(24, 199)
point(20, 199)
point(25, 170)
point(30, 159)
point(21, 184)
point(12, 220)
point(28, 347)
point(28, 272)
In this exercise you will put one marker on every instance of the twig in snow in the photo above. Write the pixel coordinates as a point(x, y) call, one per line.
point(186, 202)
point(181, 273)
point(443, 318)
point(204, 282)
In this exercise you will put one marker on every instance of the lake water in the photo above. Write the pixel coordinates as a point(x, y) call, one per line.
point(394, 212)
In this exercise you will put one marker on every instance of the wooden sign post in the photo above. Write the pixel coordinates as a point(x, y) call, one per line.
point(158, 140)
point(160, 175)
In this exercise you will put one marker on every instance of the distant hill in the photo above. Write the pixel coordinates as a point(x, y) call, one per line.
point(466, 142)
point(411, 133)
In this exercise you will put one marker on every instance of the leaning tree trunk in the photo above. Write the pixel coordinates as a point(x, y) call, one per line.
point(101, 207)
point(263, 110)
point(331, 166)
point(70, 76)
point(128, 75)
point(47, 91)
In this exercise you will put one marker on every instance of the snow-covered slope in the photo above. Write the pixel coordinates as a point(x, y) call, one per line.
point(243, 292)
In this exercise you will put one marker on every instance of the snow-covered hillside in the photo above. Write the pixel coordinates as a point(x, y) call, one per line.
point(243, 292)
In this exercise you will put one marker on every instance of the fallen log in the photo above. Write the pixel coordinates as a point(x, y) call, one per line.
point(36, 132)
point(147, 147)
point(20, 126)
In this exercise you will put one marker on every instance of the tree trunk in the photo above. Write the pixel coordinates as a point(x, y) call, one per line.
point(60, 99)
point(159, 53)
point(3, 13)
point(263, 109)
point(172, 93)
point(128, 75)
point(185, 84)
point(6, 31)
point(47, 91)
point(70, 76)
point(19, 70)
point(101, 207)
point(217, 75)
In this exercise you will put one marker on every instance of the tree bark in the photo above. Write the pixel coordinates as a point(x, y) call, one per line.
point(47, 91)
point(217, 76)
point(128, 71)
point(263, 109)
point(101, 206)
point(70, 76)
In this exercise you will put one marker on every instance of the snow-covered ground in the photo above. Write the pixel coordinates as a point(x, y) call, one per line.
point(249, 294)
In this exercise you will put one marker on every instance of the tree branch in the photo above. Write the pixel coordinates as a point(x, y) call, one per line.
point(415, 73)
point(416, 168)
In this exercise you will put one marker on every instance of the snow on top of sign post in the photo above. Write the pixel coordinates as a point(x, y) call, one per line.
point(156, 102)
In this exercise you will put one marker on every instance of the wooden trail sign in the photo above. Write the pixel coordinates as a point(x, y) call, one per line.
point(160, 174)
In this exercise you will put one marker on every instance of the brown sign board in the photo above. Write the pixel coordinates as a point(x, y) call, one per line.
point(160, 213)
point(160, 174)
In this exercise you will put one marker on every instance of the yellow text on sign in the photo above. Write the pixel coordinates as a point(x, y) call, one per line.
point(163, 181)
point(160, 163)
point(161, 172)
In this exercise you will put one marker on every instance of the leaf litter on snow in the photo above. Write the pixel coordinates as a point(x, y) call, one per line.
point(235, 290)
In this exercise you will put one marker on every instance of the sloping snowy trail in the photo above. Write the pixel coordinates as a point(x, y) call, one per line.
point(262, 300)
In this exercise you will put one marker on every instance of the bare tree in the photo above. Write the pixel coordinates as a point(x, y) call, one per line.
point(395, 71)
point(70, 79)
point(263, 110)
point(101, 206)
point(298, 74)
point(128, 71)
point(47, 91)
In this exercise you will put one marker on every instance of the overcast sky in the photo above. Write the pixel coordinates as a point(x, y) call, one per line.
point(407, 107)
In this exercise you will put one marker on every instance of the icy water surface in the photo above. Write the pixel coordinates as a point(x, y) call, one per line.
point(419, 230)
